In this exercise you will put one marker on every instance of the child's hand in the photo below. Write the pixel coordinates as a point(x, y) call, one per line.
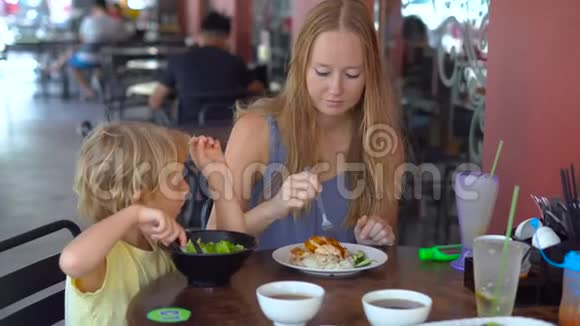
point(157, 226)
point(205, 151)
point(207, 155)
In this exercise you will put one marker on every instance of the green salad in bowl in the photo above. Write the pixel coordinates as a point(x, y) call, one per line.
point(220, 247)
point(211, 257)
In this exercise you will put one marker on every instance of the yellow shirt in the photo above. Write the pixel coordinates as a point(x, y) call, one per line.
point(128, 270)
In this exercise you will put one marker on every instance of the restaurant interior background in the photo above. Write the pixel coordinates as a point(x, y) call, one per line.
point(439, 78)
point(467, 74)
point(437, 54)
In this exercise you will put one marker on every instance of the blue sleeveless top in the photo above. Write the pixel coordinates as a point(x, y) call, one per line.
point(290, 230)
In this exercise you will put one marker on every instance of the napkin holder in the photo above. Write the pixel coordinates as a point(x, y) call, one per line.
point(543, 284)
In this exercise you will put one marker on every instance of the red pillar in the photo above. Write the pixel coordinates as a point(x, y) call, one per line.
point(532, 99)
point(299, 10)
point(391, 36)
point(241, 13)
point(191, 13)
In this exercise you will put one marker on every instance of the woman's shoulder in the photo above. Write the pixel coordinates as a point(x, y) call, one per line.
point(253, 120)
point(254, 126)
point(249, 138)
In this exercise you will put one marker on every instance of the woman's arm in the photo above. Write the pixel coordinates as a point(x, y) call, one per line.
point(247, 154)
point(260, 217)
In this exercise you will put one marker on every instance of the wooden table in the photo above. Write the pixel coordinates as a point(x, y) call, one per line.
point(237, 305)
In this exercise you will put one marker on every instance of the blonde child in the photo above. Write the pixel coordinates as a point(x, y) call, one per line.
point(130, 185)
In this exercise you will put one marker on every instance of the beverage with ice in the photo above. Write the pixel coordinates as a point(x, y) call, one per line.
point(488, 305)
point(475, 196)
point(494, 298)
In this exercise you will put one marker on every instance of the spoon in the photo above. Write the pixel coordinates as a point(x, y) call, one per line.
point(540, 203)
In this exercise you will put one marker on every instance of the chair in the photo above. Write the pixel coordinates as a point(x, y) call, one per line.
point(214, 101)
point(31, 279)
point(195, 212)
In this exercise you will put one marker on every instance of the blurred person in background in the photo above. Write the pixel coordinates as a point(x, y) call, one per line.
point(116, 11)
point(207, 67)
point(96, 30)
point(417, 55)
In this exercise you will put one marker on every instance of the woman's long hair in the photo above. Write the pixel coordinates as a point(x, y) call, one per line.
point(376, 138)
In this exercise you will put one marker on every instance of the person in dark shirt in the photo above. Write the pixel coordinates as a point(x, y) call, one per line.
point(206, 68)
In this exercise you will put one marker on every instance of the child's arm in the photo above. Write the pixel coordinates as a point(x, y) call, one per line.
point(87, 252)
point(84, 257)
point(207, 154)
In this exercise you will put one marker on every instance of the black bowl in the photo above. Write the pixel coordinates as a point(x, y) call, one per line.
point(212, 270)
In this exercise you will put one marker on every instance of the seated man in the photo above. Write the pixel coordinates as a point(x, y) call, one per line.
point(206, 68)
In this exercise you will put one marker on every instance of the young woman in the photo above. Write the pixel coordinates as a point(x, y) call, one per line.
point(319, 137)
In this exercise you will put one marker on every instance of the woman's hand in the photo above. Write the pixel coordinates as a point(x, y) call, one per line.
point(373, 231)
point(296, 192)
point(159, 227)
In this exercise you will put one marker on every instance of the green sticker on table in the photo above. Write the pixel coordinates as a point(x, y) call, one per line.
point(169, 315)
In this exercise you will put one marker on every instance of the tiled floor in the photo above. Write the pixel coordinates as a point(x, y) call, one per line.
point(38, 142)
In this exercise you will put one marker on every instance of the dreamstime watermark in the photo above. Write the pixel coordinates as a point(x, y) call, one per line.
point(409, 181)
point(380, 140)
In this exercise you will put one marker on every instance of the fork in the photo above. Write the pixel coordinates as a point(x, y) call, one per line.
point(326, 224)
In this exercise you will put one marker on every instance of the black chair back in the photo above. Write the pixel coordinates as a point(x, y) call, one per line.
point(195, 212)
point(260, 72)
point(34, 278)
point(200, 104)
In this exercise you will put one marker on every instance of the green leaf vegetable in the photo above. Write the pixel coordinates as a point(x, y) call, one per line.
point(360, 259)
point(222, 247)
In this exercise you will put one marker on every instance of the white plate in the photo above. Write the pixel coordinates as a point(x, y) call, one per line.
point(282, 256)
point(507, 321)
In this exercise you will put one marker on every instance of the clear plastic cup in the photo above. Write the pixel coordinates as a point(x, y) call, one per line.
point(475, 196)
point(493, 299)
point(569, 313)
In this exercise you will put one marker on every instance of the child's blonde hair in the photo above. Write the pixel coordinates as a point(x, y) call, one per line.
point(118, 160)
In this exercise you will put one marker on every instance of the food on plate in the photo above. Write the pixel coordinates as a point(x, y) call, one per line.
point(222, 247)
point(326, 253)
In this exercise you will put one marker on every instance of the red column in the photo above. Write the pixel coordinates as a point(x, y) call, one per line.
point(299, 10)
point(243, 29)
point(191, 13)
point(241, 14)
point(532, 99)
point(391, 35)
